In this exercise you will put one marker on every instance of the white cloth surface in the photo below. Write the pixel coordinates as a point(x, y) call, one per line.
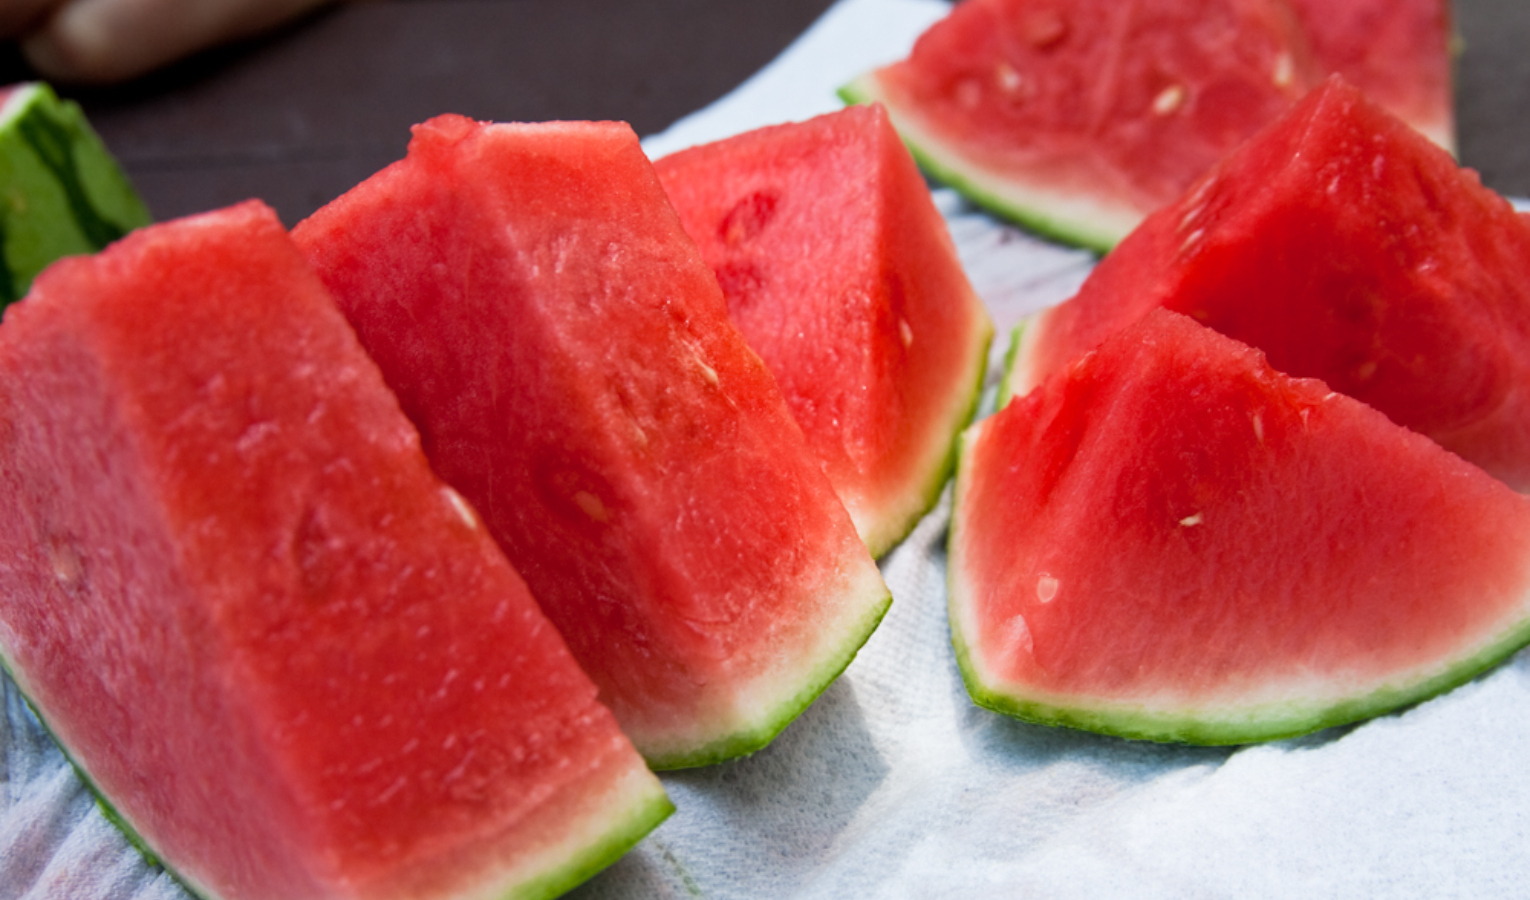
point(894, 785)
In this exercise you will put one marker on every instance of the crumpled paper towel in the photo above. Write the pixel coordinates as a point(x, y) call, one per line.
point(894, 785)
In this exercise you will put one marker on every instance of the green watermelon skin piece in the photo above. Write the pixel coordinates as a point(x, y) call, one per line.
point(1397, 52)
point(1171, 540)
point(1349, 248)
point(288, 658)
point(1076, 120)
point(61, 192)
point(568, 358)
point(838, 269)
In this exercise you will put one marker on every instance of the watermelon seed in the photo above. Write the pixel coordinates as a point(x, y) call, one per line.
point(592, 506)
point(1020, 635)
point(707, 372)
point(66, 564)
point(1192, 521)
point(1169, 99)
point(1009, 79)
point(1046, 591)
point(906, 332)
point(460, 504)
point(1285, 70)
point(1258, 427)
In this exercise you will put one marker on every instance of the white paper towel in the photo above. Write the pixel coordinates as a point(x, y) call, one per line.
point(893, 785)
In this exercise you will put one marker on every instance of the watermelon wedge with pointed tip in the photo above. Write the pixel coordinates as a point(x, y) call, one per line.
point(1076, 118)
point(838, 269)
point(1170, 540)
point(530, 295)
point(61, 192)
point(290, 660)
point(1349, 248)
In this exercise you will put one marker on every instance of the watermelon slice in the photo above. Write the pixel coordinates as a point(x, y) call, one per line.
point(61, 193)
point(1348, 248)
point(1078, 118)
point(1171, 540)
point(840, 273)
point(531, 296)
point(289, 657)
point(1397, 52)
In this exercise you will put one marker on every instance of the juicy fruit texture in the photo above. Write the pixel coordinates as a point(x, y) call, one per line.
point(838, 270)
point(288, 656)
point(61, 193)
point(1349, 248)
point(1171, 540)
point(567, 356)
point(1397, 52)
point(1078, 118)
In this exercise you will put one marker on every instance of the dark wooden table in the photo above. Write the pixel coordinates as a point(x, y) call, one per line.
point(301, 116)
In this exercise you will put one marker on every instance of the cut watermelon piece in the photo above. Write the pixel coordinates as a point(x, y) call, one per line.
point(288, 656)
point(61, 193)
point(1171, 540)
point(1348, 248)
point(1397, 52)
point(1078, 118)
point(531, 296)
point(839, 271)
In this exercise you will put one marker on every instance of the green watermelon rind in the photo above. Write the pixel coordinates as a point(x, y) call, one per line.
point(1006, 391)
point(761, 730)
point(964, 406)
point(627, 828)
point(1224, 726)
point(61, 191)
point(1097, 229)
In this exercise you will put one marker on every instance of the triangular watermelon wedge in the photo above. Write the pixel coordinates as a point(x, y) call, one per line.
point(290, 660)
point(1170, 540)
point(839, 271)
point(1078, 118)
point(1349, 248)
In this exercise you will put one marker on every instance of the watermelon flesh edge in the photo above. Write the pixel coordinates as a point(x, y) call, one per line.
point(840, 273)
point(648, 480)
point(1264, 668)
point(246, 745)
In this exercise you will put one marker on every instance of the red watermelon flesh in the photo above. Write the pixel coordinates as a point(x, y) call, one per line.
point(1079, 117)
point(1348, 248)
point(1168, 539)
point(839, 272)
point(288, 656)
point(531, 296)
point(1395, 51)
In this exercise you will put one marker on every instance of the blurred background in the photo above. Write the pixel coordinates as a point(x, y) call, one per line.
point(299, 116)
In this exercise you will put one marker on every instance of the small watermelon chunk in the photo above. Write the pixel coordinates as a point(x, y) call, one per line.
point(61, 192)
point(1349, 248)
point(292, 660)
point(531, 296)
point(1397, 52)
point(1077, 118)
point(839, 271)
point(1171, 540)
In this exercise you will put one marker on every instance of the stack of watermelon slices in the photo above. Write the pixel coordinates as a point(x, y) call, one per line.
point(1163, 536)
point(1077, 118)
point(274, 642)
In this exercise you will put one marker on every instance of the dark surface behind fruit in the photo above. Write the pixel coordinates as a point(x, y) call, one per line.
point(299, 117)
